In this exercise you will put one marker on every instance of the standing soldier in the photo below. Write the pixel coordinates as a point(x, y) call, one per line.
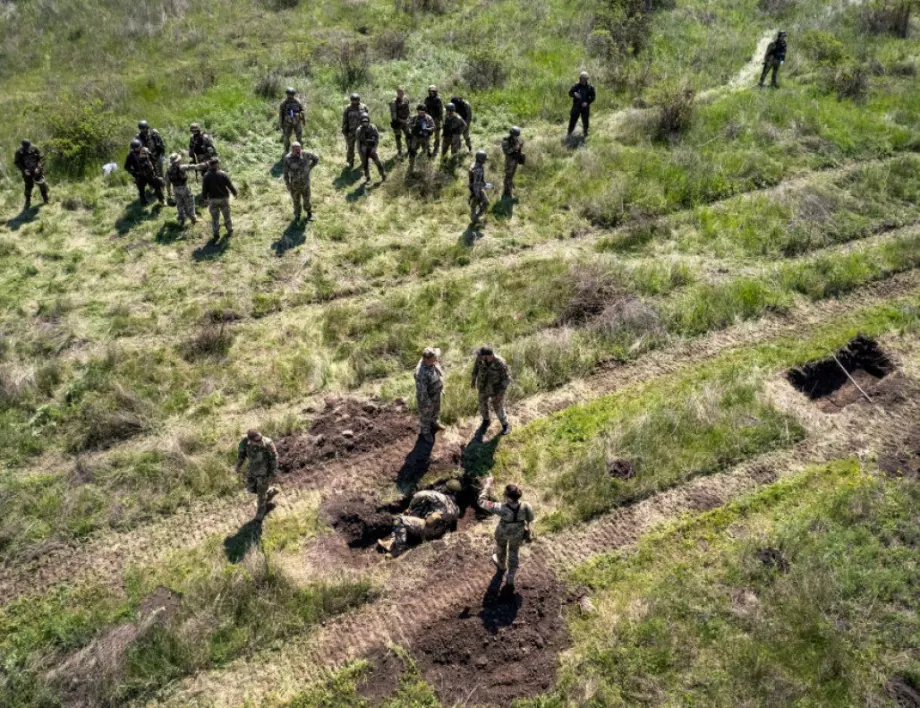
point(434, 106)
point(153, 141)
point(368, 138)
point(216, 189)
point(400, 113)
point(479, 202)
point(420, 129)
point(513, 147)
point(429, 384)
point(297, 166)
point(774, 59)
point(351, 121)
point(176, 175)
point(583, 96)
point(491, 379)
point(139, 164)
point(263, 465)
point(291, 116)
point(30, 161)
point(465, 111)
point(201, 147)
point(515, 526)
point(454, 128)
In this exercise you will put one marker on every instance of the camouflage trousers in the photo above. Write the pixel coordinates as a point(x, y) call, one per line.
point(406, 527)
point(217, 207)
point(159, 166)
point(774, 64)
point(259, 485)
point(466, 137)
point(511, 165)
point(30, 181)
point(416, 142)
point(498, 405)
point(300, 195)
point(287, 129)
point(453, 143)
point(369, 155)
point(508, 540)
point(185, 204)
point(350, 139)
point(428, 413)
point(401, 130)
point(437, 138)
point(479, 204)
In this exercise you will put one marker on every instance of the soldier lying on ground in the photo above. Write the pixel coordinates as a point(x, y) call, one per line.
point(430, 515)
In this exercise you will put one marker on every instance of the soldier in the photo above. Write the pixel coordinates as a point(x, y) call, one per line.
point(216, 188)
point(465, 111)
point(479, 202)
point(351, 121)
point(263, 465)
point(139, 164)
point(429, 384)
point(153, 141)
point(774, 59)
point(420, 129)
point(400, 113)
point(583, 96)
point(291, 117)
point(176, 175)
point(30, 161)
point(434, 107)
point(491, 379)
point(454, 128)
point(368, 138)
point(515, 526)
point(513, 147)
point(297, 166)
point(201, 147)
point(430, 515)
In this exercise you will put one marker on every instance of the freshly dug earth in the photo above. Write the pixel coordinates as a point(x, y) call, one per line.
point(360, 520)
point(346, 427)
point(905, 461)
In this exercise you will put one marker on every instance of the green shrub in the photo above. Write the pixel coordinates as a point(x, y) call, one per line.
point(82, 136)
point(889, 17)
point(851, 82)
point(352, 65)
point(675, 110)
point(485, 70)
point(822, 47)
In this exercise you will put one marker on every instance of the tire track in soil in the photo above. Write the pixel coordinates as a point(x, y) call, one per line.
point(420, 592)
point(103, 559)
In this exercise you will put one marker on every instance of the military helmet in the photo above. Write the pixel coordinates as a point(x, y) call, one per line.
point(214, 162)
point(175, 157)
point(513, 492)
point(432, 89)
point(782, 34)
point(454, 485)
point(451, 107)
point(485, 350)
point(515, 131)
point(421, 107)
point(290, 91)
point(135, 144)
point(26, 143)
point(143, 125)
point(455, 99)
point(195, 128)
point(356, 97)
point(481, 156)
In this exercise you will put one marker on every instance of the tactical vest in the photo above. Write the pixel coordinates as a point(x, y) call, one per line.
point(177, 176)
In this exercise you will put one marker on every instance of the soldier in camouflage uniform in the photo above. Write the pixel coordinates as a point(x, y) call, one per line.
point(139, 164)
point(154, 142)
point(465, 111)
point(400, 113)
point(421, 128)
point(30, 161)
point(513, 147)
point(368, 138)
point(176, 175)
point(297, 166)
point(291, 117)
point(454, 128)
point(263, 465)
point(201, 147)
point(491, 379)
point(430, 515)
point(429, 384)
point(479, 202)
point(434, 107)
point(515, 527)
point(351, 121)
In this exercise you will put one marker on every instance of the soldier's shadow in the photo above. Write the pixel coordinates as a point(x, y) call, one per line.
point(212, 249)
point(362, 190)
point(294, 235)
point(134, 215)
point(498, 610)
point(248, 535)
point(277, 169)
point(414, 466)
point(478, 457)
point(471, 235)
point(347, 177)
point(169, 233)
point(26, 216)
point(573, 142)
point(504, 208)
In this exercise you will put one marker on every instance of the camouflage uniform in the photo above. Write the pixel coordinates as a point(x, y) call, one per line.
point(420, 131)
point(430, 515)
point(454, 128)
point(400, 113)
point(465, 111)
point(512, 147)
point(297, 178)
point(491, 379)
point(263, 465)
point(140, 166)
point(434, 107)
point(154, 142)
point(201, 148)
point(368, 138)
point(479, 202)
point(351, 121)
point(216, 188)
point(31, 163)
point(291, 116)
point(510, 532)
point(429, 384)
point(185, 200)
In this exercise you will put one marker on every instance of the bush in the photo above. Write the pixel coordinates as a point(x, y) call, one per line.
point(436, 7)
point(675, 110)
point(212, 341)
point(352, 65)
point(82, 136)
point(822, 47)
point(889, 17)
point(485, 70)
point(775, 7)
point(390, 45)
point(269, 86)
point(622, 28)
point(851, 82)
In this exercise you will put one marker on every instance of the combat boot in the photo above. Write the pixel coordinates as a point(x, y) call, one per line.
point(28, 203)
point(309, 216)
point(44, 195)
point(484, 425)
point(506, 428)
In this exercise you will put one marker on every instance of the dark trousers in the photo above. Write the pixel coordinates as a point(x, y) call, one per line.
point(30, 182)
point(154, 183)
point(579, 112)
point(769, 64)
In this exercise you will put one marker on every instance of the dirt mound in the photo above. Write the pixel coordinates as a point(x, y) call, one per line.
point(360, 520)
point(773, 558)
point(346, 427)
point(621, 469)
point(905, 461)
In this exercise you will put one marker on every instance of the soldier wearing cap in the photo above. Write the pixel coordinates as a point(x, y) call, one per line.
point(262, 456)
point(368, 138)
point(297, 167)
point(515, 527)
point(513, 148)
point(454, 129)
point(434, 107)
point(429, 385)
point(177, 176)
point(216, 188)
point(491, 378)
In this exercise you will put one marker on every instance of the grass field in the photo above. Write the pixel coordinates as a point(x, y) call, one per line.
point(650, 288)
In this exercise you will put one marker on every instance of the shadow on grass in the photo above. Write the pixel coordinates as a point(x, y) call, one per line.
point(347, 177)
point(478, 456)
point(573, 142)
point(277, 169)
point(212, 249)
point(471, 235)
point(26, 216)
point(169, 233)
point(415, 466)
point(504, 208)
point(294, 235)
point(134, 215)
point(237, 546)
point(362, 190)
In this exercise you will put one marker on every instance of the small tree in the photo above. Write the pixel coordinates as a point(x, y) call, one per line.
point(890, 16)
point(82, 136)
point(353, 65)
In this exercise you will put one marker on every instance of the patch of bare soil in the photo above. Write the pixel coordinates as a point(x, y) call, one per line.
point(621, 469)
point(360, 520)
point(905, 460)
point(773, 558)
point(904, 691)
point(346, 427)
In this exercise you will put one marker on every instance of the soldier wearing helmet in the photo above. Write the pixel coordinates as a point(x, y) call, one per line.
point(430, 515)
point(465, 111)
point(583, 95)
point(515, 527)
point(292, 115)
point(454, 128)
point(298, 164)
point(31, 163)
point(479, 202)
point(400, 115)
point(434, 107)
point(140, 165)
point(368, 138)
point(201, 147)
point(153, 141)
point(351, 121)
point(513, 148)
point(774, 58)
point(421, 127)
